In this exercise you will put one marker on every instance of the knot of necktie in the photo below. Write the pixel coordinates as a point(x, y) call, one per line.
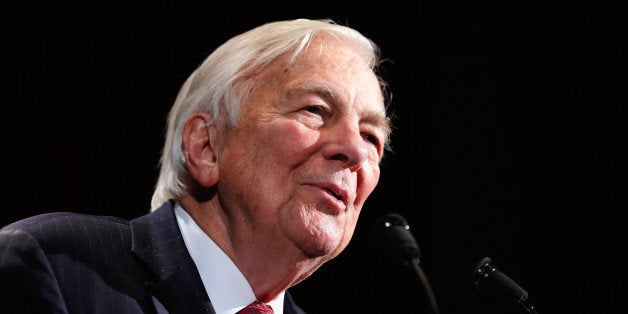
point(256, 307)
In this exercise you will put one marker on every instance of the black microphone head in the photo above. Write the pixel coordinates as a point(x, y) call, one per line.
point(391, 234)
point(492, 285)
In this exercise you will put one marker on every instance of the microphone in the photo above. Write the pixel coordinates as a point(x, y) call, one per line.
point(391, 235)
point(493, 285)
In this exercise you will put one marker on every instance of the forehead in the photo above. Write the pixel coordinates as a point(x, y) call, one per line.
point(333, 67)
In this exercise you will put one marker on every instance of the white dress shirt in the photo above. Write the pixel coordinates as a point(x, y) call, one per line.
point(226, 287)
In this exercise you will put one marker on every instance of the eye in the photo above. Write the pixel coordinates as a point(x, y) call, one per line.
point(371, 139)
point(311, 115)
point(314, 109)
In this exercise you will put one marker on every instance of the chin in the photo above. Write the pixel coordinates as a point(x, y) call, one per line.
point(311, 252)
point(320, 240)
point(317, 234)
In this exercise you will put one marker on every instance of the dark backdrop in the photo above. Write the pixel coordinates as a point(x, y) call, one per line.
point(508, 142)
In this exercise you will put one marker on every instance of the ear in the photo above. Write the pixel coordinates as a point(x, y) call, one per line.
point(200, 157)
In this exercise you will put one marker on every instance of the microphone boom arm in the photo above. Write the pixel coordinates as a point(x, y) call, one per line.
point(426, 285)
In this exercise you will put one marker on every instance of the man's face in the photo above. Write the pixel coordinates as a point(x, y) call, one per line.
point(304, 157)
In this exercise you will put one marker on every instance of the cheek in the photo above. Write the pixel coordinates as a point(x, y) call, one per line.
point(277, 150)
point(290, 142)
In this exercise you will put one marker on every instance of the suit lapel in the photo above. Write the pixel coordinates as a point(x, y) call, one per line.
point(175, 282)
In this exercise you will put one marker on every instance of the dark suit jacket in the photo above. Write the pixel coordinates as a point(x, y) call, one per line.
point(75, 263)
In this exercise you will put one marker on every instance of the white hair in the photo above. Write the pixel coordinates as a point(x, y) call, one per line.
point(220, 85)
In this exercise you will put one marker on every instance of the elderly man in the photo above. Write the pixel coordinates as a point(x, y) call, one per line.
point(273, 146)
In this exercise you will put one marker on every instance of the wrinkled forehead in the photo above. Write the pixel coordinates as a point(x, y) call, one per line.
point(338, 66)
point(344, 66)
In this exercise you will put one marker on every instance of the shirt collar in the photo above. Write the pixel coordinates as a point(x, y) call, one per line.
point(227, 288)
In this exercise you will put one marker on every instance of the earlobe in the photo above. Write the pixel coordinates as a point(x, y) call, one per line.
point(198, 148)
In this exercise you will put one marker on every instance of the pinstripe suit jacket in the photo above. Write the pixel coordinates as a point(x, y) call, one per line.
point(74, 263)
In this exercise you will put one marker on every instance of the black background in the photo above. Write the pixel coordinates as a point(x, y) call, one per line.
point(509, 139)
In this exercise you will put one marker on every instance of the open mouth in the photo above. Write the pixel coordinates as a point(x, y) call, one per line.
point(338, 197)
point(335, 190)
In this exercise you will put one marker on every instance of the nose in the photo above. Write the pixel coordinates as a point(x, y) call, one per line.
point(346, 145)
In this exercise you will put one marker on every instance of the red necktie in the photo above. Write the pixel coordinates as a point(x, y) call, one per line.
point(256, 307)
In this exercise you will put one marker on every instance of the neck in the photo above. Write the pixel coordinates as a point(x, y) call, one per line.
point(270, 263)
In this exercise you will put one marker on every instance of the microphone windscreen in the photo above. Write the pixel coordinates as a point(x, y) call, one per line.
point(493, 285)
point(391, 234)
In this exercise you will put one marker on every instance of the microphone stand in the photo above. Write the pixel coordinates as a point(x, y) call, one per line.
point(415, 263)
